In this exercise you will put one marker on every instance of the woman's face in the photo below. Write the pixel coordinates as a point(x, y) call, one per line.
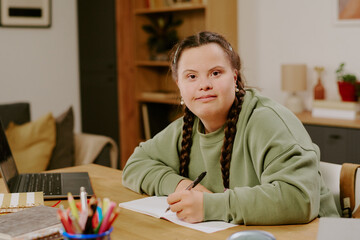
point(207, 83)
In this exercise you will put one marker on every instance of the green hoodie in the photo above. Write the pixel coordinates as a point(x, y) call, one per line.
point(274, 171)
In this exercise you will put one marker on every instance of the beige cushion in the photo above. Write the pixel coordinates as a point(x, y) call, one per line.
point(32, 143)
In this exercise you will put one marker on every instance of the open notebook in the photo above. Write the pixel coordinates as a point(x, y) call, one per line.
point(156, 206)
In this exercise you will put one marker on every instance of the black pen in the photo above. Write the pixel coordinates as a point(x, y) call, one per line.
point(193, 184)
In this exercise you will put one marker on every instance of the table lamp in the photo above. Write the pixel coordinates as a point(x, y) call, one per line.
point(293, 79)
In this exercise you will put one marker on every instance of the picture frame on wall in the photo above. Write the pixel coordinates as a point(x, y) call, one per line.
point(25, 13)
point(347, 12)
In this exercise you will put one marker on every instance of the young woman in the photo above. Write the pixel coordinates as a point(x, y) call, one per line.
point(262, 167)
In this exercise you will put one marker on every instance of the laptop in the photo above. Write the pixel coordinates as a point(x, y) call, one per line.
point(53, 185)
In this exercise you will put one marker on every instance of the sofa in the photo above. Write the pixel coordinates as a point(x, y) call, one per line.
point(49, 142)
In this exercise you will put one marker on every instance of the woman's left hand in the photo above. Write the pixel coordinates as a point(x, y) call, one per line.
point(188, 205)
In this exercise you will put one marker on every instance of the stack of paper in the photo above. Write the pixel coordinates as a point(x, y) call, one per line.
point(336, 109)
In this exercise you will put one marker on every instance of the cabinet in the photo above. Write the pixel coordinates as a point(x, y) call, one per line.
point(153, 82)
point(338, 140)
point(337, 144)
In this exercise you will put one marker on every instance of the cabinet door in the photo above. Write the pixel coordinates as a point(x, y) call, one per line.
point(316, 134)
point(331, 141)
point(335, 145)
point(353, 146)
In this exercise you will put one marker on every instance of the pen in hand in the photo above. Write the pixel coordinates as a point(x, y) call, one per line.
point(193, 184)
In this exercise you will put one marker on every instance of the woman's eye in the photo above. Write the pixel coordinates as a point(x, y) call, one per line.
point(191, 76)
point(215, 73)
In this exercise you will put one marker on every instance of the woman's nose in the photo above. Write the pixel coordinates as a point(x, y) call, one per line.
point(205, 84)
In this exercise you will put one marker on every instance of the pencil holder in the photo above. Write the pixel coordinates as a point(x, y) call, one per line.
point(102, 236)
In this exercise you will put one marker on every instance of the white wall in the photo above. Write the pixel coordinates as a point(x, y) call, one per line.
point(40, 65)
point(292, 31)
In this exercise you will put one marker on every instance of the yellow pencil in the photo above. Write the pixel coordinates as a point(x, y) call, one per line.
point(73, 208)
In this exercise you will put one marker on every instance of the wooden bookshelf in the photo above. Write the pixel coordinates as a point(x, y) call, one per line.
point(138, 74)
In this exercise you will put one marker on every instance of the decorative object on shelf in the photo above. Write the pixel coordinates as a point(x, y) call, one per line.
point(293, 78)
point(347, 84)
point(319, 90)
point(163, 35)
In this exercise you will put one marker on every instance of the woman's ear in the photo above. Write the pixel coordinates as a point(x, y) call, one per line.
point(235, 76)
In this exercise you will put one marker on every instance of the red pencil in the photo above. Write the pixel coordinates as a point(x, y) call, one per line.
point(116, 213)
point(65, 222)
point(106, 219)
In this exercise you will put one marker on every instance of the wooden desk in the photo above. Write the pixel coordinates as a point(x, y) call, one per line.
point(132, 225)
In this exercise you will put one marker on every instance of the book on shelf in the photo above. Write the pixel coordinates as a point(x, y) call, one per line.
point(14, 202)
point(336, 109)
point(146, 122)
point(39, 222)
point(156, 207)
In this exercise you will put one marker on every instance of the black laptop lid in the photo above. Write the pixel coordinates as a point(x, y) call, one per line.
point(7, 163)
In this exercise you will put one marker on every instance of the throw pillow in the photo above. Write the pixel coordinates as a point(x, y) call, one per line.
point(32, 143)
point(63, 154)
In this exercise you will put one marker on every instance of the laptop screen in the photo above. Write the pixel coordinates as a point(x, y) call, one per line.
point(7, 163)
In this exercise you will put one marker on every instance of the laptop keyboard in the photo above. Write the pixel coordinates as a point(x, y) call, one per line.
point(50, 184)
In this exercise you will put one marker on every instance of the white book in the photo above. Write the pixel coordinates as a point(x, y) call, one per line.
point(156, 207)
point(332, 104)
point(339, 228)
point(335, 113)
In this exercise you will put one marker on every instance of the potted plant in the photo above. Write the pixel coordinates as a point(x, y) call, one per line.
point(162, 35)
point(347, 84)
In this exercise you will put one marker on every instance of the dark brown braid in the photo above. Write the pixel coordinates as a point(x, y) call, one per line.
point(186, 142)
point(197, 40)
point(230, 132)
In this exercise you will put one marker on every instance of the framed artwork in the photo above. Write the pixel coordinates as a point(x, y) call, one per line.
point(25, 13)
point(347, 12)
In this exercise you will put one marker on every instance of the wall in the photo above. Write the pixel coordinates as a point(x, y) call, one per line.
point(40, 65)
point(291, 31)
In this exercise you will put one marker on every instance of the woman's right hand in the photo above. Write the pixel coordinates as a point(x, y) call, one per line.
point(183, 184)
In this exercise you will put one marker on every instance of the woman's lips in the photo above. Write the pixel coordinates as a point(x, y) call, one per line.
point(206, 98)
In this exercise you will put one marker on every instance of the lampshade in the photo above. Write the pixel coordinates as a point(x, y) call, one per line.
point(293, 77)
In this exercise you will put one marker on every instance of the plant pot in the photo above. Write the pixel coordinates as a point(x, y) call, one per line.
point(347, 91)
point(159, 56)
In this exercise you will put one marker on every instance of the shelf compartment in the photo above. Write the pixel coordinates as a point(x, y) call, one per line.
point(143, 11)
point(149, 63)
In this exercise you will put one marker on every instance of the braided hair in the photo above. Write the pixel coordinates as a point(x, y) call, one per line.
point(203, 38)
